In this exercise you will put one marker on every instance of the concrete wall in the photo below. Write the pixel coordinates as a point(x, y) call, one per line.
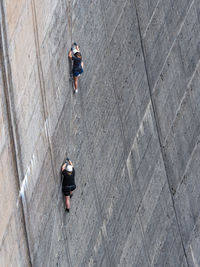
point(132, 131)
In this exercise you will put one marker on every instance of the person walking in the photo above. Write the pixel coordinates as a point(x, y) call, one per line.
point(68, 183)
point(75, 55)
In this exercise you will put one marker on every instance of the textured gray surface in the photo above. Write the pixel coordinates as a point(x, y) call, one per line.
point(132, 131)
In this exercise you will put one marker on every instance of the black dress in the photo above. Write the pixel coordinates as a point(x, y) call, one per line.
point(68, 183)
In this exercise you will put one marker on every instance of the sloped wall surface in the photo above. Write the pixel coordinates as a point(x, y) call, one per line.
point(132, 132)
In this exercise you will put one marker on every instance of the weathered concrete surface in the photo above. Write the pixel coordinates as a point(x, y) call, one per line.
point(132, 131)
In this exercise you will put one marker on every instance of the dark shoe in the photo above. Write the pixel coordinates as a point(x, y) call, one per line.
point(66, 209)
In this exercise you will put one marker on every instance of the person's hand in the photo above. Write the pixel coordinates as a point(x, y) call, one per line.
point(71, 163)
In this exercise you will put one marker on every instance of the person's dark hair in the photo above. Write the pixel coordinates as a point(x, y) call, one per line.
point(78, 54)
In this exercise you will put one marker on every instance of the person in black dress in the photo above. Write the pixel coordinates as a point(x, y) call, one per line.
point(68, 183)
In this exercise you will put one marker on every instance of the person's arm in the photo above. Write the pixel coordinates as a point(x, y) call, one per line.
point(82, 64)
point(70, 54)
point(63, 166)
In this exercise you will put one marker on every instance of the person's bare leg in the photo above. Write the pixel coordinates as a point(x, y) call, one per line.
point(75, 82)
point(67, 202)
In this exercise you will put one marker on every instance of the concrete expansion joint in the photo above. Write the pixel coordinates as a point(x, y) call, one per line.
point(159, 132)
point(12, 128)
point(42, 83)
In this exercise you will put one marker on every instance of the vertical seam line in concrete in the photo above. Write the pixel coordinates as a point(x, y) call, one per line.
point(41, 80)
point(7, 83)
point(70, 124)
point(158, 130)
point(114, 86)
point(70, 29)
point(42, 88)
point(115, 94)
